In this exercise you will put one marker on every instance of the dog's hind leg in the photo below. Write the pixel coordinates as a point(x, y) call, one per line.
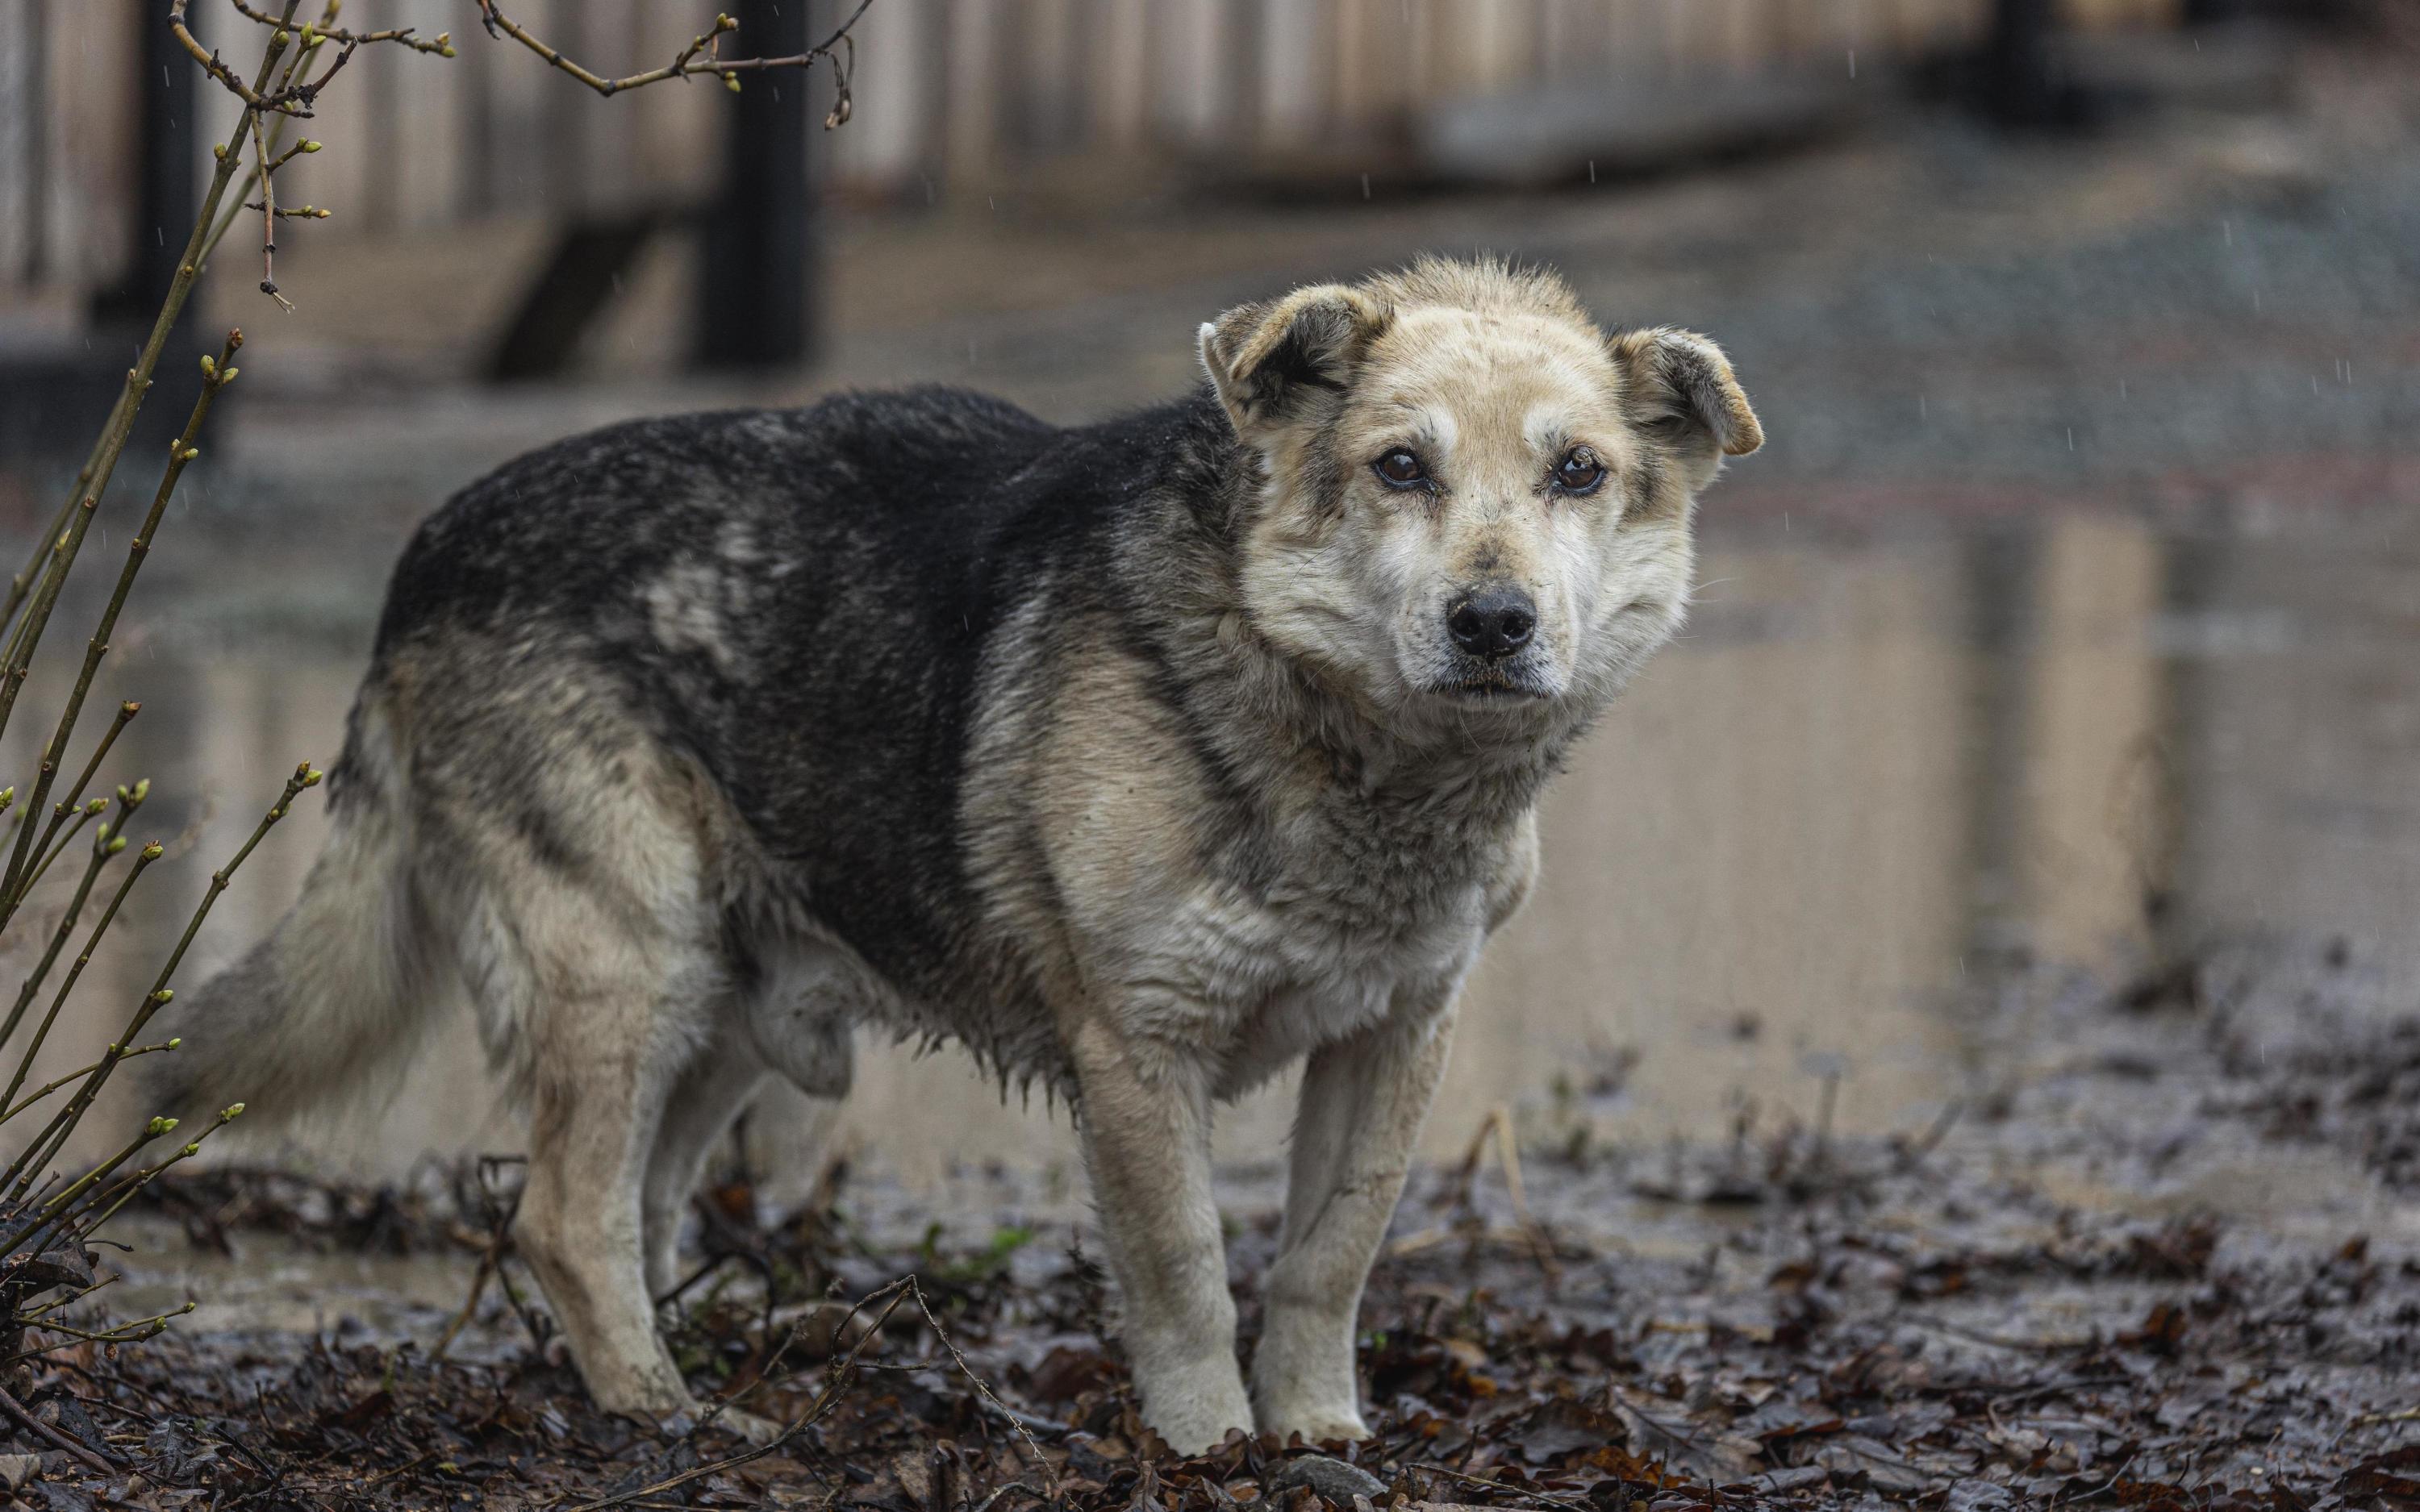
point(618, 1013)
point(715, 1089)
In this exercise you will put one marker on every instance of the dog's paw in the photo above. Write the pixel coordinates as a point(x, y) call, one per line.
point(1317, 1424)
point(1194, 1420)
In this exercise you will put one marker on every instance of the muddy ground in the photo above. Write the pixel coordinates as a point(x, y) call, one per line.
point(1958, 1315)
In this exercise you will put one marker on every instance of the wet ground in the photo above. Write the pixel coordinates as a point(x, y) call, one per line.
point(1964, 1048)
point(2039, 1297)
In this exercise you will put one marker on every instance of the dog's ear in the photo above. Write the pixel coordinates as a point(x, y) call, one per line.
point(1270, 362)
point(1680, 385)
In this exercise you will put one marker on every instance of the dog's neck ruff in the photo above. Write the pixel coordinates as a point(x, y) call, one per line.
point(1425, 761)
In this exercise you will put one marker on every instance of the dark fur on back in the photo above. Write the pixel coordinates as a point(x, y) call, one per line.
point(840, 571)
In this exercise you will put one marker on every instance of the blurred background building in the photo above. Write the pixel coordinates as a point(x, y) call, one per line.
point(548, 198)
point(2071, 612)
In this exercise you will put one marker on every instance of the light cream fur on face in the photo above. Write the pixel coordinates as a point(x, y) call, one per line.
point(1491, 400)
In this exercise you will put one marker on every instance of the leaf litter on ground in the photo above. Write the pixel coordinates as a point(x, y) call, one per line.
point(1893, 1322)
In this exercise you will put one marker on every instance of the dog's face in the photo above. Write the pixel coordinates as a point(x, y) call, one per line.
point(1477, 505)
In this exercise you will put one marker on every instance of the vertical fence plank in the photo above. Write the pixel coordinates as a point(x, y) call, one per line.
point(430, 117)
point(1125, 43)
point(1296, 47)
point(24, 144)
point(94, 116)
point(886, 141)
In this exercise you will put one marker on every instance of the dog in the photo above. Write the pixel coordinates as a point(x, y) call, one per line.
point(1144, 759)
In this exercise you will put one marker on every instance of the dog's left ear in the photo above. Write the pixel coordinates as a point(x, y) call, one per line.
point(1681, 383)
point(1271, 363)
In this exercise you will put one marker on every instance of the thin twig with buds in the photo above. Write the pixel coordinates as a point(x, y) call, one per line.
point(28, 1166)
point(48, 1088)
point(441, 44)
point(216, 375)
point(287, 102)
point(66, 926)
point(74, 799)
point(839, 47)
point(75, 516)
point(101, 855)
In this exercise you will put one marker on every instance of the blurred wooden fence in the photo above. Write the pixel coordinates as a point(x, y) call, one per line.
point(951, 95)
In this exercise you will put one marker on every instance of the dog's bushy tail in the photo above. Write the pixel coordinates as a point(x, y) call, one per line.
point(339, 991)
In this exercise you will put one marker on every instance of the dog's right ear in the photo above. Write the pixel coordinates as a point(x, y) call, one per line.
point(1271, 363)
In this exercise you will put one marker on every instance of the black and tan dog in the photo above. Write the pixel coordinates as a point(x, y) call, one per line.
point(1145, 758)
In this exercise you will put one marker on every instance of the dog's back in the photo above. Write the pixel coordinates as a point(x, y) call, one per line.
point(763, 628)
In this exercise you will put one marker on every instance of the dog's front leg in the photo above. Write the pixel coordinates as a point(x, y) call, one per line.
point(1363, 1100)
point(1146, 1129)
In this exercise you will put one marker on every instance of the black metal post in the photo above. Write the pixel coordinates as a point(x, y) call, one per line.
point(166, 195)
point(50, 402)
point(753, 309)
point(2017, 86)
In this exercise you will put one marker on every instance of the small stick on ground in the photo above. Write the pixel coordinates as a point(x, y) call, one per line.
point(17, 1410)
point(1498, 1123)
point(824, 1400)
point(1914, 1155)
point(896, 1292)
point(1431, 1468)
point(469, 1304)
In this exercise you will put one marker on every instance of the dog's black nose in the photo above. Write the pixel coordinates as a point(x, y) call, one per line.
point(1493, 622)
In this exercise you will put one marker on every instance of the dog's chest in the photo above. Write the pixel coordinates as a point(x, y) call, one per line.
point(1332, 945)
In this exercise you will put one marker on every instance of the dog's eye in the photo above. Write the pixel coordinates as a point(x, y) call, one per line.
point(1579, 472)
point(1400, 468)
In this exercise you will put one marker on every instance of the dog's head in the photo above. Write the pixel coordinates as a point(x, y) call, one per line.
point(1475, 500)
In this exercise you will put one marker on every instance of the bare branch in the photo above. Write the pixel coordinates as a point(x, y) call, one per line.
point(101, 855)
point(80, 1072)
point(65, 808)
point(282, 101)
point(17, 1410)
point(298, 149)
point(26, 1168)
point(701, 55)
point(290, 98)
point(295, 94)
point(441, 44)
point(94, 1214)
point(59, 934)
point(216, 375)
point(297, 213)
point(268, 217)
